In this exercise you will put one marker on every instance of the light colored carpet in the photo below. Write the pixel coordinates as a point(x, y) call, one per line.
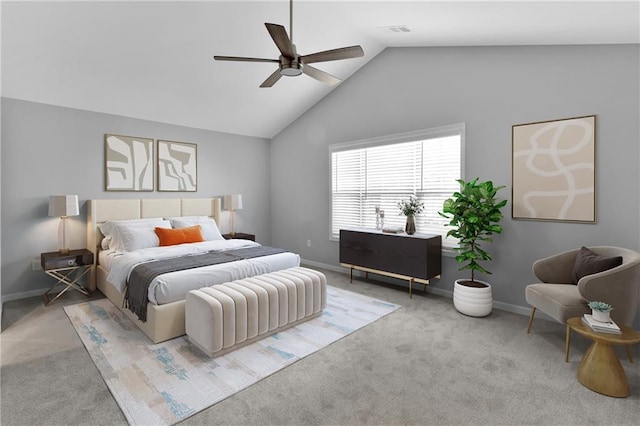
point(167, 382)
point(425, 364)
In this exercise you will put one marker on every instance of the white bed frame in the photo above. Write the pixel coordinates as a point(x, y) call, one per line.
point(164, 322)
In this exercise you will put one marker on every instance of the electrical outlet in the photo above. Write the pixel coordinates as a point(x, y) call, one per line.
point(308, 243)
point(35, 265)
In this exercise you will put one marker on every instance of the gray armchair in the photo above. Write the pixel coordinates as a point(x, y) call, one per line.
point(557, 295)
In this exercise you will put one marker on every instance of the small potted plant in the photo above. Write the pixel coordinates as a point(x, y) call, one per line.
point(601, 311)
point(410, 208)
point(474, 212)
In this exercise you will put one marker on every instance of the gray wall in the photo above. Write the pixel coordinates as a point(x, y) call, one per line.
point(489, 89)
point(48, 150)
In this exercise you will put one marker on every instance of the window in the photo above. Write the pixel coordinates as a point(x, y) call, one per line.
point(383, 171)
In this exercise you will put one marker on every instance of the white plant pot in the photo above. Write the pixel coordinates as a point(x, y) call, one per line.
point(601, 316)
point(473, 301)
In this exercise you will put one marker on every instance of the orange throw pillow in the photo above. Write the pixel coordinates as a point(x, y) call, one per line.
point(172, 237)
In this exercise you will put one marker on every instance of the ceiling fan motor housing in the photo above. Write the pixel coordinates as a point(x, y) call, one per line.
point(290, 67)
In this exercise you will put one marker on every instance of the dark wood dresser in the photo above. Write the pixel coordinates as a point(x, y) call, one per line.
point(415, 258)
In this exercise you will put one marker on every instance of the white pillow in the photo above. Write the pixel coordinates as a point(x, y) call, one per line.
point(135, 234)
point(136, 238)
point(107, 228)
point(210, 231)
point(106, 243)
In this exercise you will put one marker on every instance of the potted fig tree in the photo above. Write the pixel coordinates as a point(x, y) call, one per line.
point(474, 213)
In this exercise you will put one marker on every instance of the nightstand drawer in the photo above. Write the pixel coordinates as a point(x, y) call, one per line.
point(55, 260)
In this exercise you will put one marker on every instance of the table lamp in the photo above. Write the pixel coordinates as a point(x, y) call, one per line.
point(233, 203)
point(63, 206)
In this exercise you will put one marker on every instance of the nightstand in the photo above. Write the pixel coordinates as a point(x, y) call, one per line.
point(240, 236)
point(68, 269)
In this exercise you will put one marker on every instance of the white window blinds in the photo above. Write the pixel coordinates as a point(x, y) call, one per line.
point(381, 172)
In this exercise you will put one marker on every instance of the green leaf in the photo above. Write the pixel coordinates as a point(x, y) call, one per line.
point(474, 214)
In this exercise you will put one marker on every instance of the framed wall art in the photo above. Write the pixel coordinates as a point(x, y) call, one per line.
point(128, 163)
point(553, 170)
point(177, 166)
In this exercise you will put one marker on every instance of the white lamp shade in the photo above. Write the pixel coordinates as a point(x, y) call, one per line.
point(233, 202)
point(63, 205)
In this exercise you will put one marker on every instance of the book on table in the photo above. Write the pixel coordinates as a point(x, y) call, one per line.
point(601, 327)
point(393, 229)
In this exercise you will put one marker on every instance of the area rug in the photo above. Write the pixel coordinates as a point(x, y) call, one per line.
point(164, 383)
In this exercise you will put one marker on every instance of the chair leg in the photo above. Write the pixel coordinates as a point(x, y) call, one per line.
point(629, 354)
point(567, 343)
point(533, 312)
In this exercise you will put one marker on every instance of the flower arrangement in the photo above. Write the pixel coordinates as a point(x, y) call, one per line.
point(411, 207)
point(600, 306)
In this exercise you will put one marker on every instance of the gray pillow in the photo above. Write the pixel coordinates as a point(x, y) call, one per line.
point(588, 263)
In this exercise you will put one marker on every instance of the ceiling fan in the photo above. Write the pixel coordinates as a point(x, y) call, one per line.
point(290, 63)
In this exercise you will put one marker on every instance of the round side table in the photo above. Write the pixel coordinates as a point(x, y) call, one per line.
point(600, 370)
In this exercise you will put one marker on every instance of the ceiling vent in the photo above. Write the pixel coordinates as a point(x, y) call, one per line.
point(396, 29)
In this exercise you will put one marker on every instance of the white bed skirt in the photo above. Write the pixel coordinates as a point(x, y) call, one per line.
point(164, 322)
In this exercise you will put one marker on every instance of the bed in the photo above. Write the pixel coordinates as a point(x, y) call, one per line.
point(165, 315)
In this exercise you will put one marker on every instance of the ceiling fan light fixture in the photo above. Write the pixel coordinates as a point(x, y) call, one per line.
point(292, 70)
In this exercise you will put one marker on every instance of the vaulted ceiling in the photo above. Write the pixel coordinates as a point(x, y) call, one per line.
point(154, 60)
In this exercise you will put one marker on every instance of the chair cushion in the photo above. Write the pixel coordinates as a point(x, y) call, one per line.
point(559, 301)
point(588, 262)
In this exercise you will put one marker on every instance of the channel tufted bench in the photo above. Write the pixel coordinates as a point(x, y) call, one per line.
point(223, 317)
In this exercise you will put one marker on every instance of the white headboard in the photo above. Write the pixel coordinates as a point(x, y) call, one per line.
point(100, 211)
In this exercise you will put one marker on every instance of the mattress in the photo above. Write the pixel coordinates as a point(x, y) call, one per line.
point(174, 286)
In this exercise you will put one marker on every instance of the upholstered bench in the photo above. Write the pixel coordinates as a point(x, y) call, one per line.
point(223, 317)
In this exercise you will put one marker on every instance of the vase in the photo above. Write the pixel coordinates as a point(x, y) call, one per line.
point(601, 316)
point(410, 227)
point(472, 298)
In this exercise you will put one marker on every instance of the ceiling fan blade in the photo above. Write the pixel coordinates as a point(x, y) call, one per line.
point(281, 39)
point(319, 75)
point(243, 59)
point(333, 55)
point(272, 79)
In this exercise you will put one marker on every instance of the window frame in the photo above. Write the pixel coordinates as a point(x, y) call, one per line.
point(412, 136)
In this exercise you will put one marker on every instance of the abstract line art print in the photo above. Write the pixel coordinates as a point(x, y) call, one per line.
point(553, 170)
point(177, 166)
point(128, 163)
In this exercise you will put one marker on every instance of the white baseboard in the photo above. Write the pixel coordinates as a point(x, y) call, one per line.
point(333, 268)
point(520, 310)
point(23, 295)
point(516, 309)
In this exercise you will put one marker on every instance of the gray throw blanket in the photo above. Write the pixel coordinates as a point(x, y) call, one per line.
point(142, 275)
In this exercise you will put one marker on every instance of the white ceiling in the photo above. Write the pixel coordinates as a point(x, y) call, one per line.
point(153, 60)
